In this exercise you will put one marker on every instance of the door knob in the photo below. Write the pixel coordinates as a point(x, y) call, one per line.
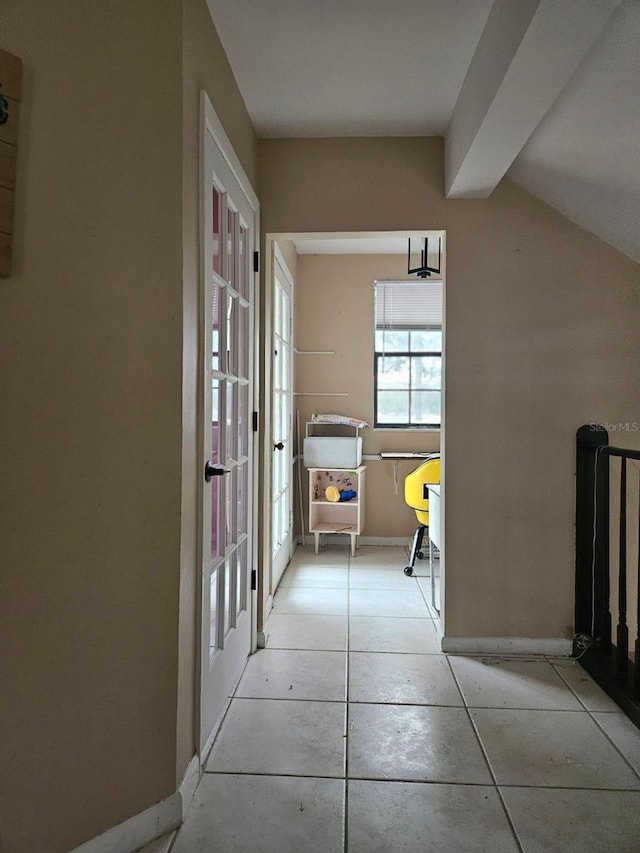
point(210, 472)
point(278, 446)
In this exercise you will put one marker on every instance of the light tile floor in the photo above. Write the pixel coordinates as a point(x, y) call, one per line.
point(352, 733)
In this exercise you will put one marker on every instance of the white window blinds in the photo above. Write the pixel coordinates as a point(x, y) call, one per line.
point(408, 304)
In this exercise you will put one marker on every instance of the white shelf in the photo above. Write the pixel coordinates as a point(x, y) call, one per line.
point(333, 503)
point(336, 516)
point(336, 527)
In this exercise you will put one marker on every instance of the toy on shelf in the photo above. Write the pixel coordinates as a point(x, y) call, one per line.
point(335, 494)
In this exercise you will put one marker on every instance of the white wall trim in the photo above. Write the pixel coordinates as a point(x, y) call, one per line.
point(189, 784)
point(506, 646)
point(279, 258)
point(215, 128)
point(161, 845)
point(268, 607)
point(139, 830)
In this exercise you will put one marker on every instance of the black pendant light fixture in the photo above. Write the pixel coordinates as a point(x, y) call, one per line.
point(419, 247)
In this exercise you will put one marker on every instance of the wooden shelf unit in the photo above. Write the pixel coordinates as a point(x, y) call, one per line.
point(340, 516)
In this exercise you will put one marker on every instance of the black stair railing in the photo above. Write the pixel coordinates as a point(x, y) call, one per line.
point(608, 662)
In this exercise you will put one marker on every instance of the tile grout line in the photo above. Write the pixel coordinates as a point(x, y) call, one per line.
point(488, 763)
point(415, 704)
point(596, 721)
point(418, 704)
point(613, 743)
point(345, 838)
point(402, 780)
point(354, 651)
point(345, 777)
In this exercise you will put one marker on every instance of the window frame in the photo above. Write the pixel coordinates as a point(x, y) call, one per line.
point(409, 353)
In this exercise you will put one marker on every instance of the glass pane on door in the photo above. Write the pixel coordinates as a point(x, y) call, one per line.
point(241, 575)
point(277, 313)
point(243, 421)
point(216, 260)
point(243, 499)
point(215, 460)
point(275, 524)
point(243, 265)
point(232, 353)
point(231, 492)
point(242, 336)
point(232, 248)
point(229, 592)
point(215, 327)
point(213, 611)
point(231, 416)
point(277, 419)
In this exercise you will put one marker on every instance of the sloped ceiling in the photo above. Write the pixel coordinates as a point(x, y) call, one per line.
point(563, 118)
point(310, 68)
point(584, 156)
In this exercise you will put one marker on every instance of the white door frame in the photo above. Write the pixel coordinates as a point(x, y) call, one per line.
point(211, 124)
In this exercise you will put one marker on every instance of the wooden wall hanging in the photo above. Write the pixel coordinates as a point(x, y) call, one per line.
point(10, 87)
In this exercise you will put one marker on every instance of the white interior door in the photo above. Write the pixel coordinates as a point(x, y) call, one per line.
point(281, 422)
point(228, 333)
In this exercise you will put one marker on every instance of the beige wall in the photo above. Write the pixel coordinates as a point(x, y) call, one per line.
point(541, 328)
point(334, 312)
point(90, 354)
point(92, 337)
point(205, 66)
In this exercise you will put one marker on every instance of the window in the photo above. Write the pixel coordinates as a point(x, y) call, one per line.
point(408, 354)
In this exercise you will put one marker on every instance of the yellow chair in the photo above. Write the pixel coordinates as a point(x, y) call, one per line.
point(416, 495)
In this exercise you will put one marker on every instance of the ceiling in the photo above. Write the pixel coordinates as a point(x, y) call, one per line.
point(543, 91)
point(349, 67)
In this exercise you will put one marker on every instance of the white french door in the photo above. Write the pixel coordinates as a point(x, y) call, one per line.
point(281, 422)
point(229, 222)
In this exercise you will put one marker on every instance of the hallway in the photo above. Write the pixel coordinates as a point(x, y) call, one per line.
point(352, 732)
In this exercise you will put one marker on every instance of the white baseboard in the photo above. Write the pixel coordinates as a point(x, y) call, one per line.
point(214, 731)
point(160, 845)
point(139, 830)
point(189, 784)
point(507, 646)
point(261, 636)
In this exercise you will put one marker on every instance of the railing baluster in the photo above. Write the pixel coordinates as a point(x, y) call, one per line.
point(593, 610)
point(636, 674)
point(601, 564)
point(622, 657)
point(607, 660)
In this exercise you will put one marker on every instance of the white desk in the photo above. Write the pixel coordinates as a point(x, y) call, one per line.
point(434, 539)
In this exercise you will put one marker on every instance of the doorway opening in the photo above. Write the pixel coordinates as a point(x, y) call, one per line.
point(338, 369)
